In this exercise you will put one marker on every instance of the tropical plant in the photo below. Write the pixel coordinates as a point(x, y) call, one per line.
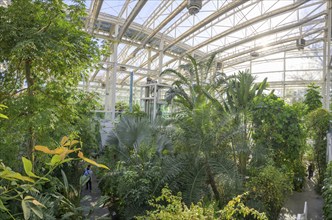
point(279, 136)
point(19, 192)
point(1, 108)
point(201, 158)
point(318, 123)
point(327, 192)
point(236, 209)
point(176, 209)
point(135, 146)
point(241, 92)
point(194, 80)
point(313, 98)
point(268, 190)
point(46, 53)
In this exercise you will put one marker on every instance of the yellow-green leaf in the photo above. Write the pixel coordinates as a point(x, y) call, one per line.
point(71, 143)
point(44, 149)
point(55, 160)
point(64, 140)
point(3, 116)
point(11, 175)
point(26, 209)
point(37, 203)
point(28, 169)
point(80, 155)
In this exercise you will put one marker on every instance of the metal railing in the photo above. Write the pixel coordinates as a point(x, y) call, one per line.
point(304, 215)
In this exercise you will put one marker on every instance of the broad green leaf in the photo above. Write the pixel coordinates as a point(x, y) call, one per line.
point(11, 175)
point(28, 169)
point(80, 155)
point(26, 209)
point(55, 160)
point(27, 166)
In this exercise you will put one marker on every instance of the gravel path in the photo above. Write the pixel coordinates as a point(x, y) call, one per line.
point(99, 212)
point(295, 204)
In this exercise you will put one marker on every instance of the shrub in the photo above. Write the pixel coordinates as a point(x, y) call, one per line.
point(327, 192)
point(269, 189)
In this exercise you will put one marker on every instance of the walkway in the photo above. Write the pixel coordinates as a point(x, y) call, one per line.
point(295, 204)
point(100, 213)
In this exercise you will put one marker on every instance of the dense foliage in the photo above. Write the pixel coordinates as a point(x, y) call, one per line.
point(43, 196)
point(176, 209)
point(318, 123)
point(327, 192)
point(313, 98)
point(279, 137)
point(46, 53)
point(269, 189)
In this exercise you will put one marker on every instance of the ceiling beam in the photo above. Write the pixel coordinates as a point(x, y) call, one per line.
point(250, 22)
point(207, 20)
point(158, 28)
point(93, 15)
point(140, 4)
point(266, 33)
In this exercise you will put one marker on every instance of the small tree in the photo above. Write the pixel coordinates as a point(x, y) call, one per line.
point(318, 122)
point(313, 97)
point(47, 54)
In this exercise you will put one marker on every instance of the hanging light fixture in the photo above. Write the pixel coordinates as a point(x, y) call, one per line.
point(194, 6)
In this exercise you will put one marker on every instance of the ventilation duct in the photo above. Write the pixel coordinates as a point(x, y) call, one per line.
point(194, 6)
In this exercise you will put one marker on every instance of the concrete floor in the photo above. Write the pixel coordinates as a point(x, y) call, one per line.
point(99, 213)
point(295, 204)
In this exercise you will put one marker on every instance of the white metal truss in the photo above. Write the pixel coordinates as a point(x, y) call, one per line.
point(154, 35)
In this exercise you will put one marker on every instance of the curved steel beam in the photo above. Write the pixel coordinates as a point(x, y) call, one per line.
point(207, 20)
point(140, 4)
point(94, 12)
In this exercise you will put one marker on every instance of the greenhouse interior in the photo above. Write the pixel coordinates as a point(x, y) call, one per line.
point(166, 109)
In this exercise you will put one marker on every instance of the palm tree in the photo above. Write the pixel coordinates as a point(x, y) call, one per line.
point(201, 165)
point(194, 80)
point(241, 92)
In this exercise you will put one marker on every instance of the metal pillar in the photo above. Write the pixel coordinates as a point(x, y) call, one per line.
point(161, 58)
point(107, 106)
point(113, 76)
point(327, 43)
point(325, 87)
point(131, 92)
point(284, 77)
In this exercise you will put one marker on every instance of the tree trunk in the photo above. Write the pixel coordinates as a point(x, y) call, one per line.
point(30, 83)
point(213, 184)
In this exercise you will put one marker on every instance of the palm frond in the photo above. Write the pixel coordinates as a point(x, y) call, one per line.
point(195, 68)
point(178, 74)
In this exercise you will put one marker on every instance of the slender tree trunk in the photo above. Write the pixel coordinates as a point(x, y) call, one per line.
point(213, 184)
point(30, 83)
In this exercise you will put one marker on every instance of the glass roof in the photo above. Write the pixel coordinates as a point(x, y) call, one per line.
point(246, 34)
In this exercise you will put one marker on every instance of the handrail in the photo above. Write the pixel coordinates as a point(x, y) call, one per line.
point(304, 215)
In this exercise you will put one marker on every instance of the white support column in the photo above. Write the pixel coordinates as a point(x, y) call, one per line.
point(326, 77)
point(113, 76)
point(284, 77)
point(161, 59)
point(107, 106)
point(328, 54)
point(149, 61)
